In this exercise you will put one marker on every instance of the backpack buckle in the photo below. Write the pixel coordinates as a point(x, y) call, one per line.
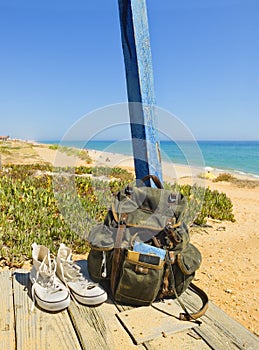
point(172, 234)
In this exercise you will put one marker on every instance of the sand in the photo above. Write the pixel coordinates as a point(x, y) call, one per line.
point(230, 256)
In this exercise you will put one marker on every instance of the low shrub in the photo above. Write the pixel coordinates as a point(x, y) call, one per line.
point(224, 177)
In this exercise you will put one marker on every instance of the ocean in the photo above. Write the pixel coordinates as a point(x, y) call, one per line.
point(234, 156)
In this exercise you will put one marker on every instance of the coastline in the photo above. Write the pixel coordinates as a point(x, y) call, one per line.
point(171, 169)
point(237, 157)
point(229, 249)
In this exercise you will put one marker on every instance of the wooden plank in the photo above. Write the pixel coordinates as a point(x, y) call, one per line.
point(98, 327)
point(178, 341)
point(181, 340)
point(39, 329)
point(223, 332)
point(148, 323)
point(140, 87)
point(219, 330)
point(7, 326)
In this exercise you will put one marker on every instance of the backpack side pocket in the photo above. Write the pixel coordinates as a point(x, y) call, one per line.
point(99, 264)
point(189, 260)
point(183, 268)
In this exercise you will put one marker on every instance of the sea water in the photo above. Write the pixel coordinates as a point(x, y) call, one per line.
point(234, 156)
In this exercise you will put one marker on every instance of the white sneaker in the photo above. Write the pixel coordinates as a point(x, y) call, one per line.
point(47, 290)
point(83, 290)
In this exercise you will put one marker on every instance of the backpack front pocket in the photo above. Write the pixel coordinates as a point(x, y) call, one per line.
point(140, 279)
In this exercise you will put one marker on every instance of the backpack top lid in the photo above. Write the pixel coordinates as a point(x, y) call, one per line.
point(148, 207)
point(147, 211)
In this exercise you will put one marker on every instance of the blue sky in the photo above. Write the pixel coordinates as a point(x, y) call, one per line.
point(63, 59)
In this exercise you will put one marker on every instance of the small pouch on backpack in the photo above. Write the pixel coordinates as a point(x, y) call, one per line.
point(101, 239)
point(99, 264)
point(189, 260)
point(140, 279)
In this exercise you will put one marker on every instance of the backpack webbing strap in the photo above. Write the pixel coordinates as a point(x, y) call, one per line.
point(204, 298)
point(117, 253)
point(187, 316)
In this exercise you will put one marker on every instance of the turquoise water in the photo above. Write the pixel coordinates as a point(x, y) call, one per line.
point(239, 156)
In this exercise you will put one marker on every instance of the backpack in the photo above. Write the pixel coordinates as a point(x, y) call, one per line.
point(142, 250)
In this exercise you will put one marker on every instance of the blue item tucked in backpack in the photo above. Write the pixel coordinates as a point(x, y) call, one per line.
point(149, 249)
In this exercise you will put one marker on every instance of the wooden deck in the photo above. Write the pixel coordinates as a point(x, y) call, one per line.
point(103, 327)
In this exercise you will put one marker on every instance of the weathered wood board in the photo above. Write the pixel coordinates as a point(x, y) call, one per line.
point(98, 327)
point(38, 329)
point(146, 323)
point(93, 328)
point(140, 88)
point(7, 337)
point(219, 330)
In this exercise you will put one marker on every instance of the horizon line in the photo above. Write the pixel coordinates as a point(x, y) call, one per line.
point(161, 140)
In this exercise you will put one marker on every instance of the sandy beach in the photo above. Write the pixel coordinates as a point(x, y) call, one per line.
point(230, 258)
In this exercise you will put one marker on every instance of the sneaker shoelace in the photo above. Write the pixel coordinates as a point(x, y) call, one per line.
point(46, 278)
point(72, 273)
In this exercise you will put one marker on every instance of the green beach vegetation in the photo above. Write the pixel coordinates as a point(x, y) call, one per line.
point(31, 211)
point(238, 182)
point(72, 151)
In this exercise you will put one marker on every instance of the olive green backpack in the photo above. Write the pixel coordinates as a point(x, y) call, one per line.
point(143, 250)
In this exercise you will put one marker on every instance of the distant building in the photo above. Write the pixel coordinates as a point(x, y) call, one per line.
point(4, 138)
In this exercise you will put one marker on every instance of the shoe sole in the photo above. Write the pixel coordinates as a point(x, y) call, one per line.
point(52, 306)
